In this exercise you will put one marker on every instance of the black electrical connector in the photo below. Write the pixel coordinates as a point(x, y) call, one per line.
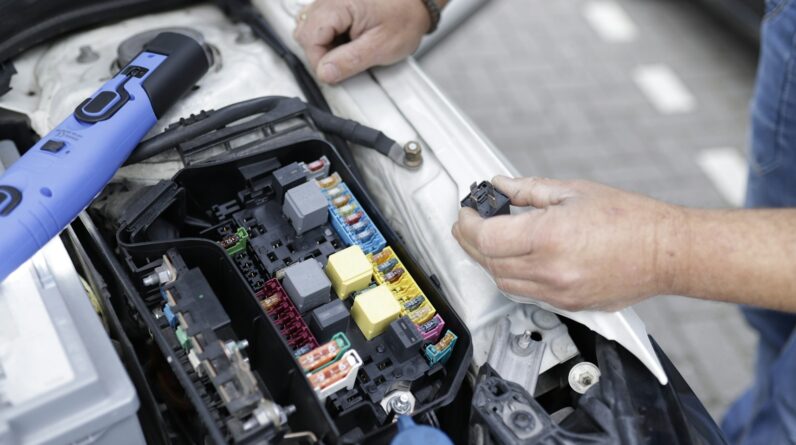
point(487, 201)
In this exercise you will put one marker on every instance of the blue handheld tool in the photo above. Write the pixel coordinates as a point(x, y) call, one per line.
point(57, 178)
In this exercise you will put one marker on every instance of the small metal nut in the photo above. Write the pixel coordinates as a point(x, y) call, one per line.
point(583, 376)
point(413, 154)
point(401, 404)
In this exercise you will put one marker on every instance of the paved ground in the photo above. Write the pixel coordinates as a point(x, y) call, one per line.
point(560, 100)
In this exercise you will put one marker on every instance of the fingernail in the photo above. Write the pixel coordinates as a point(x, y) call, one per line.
point(329, 72)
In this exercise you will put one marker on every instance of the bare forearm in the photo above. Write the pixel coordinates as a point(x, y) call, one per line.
point(740, 256)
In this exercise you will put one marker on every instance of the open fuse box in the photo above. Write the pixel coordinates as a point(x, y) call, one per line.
point(287, 300)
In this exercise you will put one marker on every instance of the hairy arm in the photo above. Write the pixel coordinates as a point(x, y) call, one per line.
point(741, 256)
point(588, 246)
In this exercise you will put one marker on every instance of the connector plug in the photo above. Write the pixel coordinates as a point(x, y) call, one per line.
point(487, 201)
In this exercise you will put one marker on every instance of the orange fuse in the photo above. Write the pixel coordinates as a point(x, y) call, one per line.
point(325, 354)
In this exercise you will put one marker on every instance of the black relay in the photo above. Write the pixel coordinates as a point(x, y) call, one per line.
point(487, 201)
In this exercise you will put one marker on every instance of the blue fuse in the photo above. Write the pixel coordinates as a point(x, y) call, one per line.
point(386, 267)
point(414, 303)
point(358, 227)
point(170, 317)
point(302, 350)
point(441, 352)
point(365, 235)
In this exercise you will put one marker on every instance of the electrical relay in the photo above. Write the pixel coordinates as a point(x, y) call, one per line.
point(487, 201)
point(274, 262)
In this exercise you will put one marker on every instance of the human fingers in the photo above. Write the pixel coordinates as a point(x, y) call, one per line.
point(500, 236)
point(351, 58)
point(318, 27)
point(536, 192)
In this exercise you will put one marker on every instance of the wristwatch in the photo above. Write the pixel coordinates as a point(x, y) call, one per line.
point(434, 12)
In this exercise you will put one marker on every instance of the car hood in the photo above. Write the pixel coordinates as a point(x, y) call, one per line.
point(400, 100)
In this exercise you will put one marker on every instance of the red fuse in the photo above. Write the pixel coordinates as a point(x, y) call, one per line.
point(353, 219)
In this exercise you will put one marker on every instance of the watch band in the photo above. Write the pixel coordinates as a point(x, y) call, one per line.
point(434, 12)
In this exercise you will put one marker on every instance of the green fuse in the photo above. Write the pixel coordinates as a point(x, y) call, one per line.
point(236, 243)
point(182, 337)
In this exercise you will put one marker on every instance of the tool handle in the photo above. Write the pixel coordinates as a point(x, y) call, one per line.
point(57, 178)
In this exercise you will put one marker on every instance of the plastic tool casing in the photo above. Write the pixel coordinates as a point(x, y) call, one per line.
point(59, 176)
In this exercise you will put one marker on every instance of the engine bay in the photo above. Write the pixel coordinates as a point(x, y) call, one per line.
point(260, 289)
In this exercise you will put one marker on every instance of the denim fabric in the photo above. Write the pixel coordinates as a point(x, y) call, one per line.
point(766, 412)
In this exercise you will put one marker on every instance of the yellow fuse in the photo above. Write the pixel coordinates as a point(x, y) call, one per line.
point(374, 310)
point(349, 270)
point(422, 314)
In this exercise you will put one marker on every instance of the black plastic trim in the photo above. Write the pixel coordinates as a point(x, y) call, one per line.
point(185, 64)
point(15, 197)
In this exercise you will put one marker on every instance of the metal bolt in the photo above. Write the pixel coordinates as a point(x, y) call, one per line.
point(87, 55)
point(524, 339)
point(401, 404)
point(522, 420)
point(583, 376)
point(161, 275)
point(151, 280)
point(413, 154)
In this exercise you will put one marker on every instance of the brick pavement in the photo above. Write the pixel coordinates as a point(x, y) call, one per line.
point(560, 102)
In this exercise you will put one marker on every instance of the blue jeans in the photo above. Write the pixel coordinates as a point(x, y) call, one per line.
point(766, 412)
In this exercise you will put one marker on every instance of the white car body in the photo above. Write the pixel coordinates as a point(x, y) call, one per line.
point(399, 100)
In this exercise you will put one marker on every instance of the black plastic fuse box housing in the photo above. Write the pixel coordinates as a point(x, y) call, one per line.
point(167, 217)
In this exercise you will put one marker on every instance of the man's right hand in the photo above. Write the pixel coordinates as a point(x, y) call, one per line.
point(586, 246)
point(373, 32)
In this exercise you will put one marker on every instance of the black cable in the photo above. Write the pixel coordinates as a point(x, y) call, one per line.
point(276, 108)
point(205, 122)
point(245, 12)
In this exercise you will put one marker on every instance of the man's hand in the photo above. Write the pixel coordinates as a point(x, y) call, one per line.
point(584, 246)
point(344, 37)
